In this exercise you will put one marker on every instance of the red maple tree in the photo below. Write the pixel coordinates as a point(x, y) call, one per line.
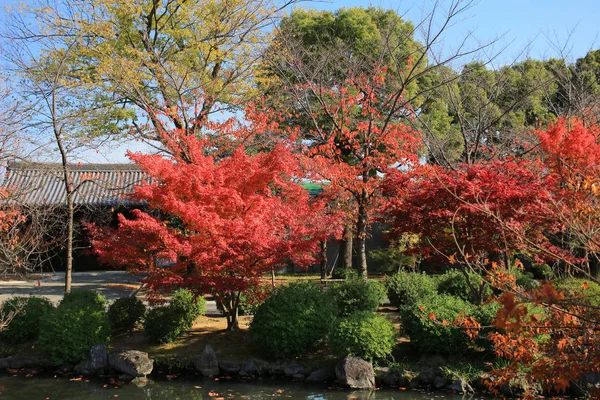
point(356, 133)
point(218, 222)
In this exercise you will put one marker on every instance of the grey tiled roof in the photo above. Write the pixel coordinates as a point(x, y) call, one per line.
point(43, 183)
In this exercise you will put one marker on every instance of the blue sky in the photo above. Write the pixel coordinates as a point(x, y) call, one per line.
point(528, 28)
point(520, 22)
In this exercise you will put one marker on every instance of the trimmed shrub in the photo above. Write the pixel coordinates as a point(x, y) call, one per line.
point(428, 323)
point(85, 298)
point(165, 324)
point(25, 325)
point(357, 295)
point(161, 325)
point(125, 313)
point(405, 288)
point(364, 334)
point(294, 319)
point(68, 331)
point(344, 273)
point(187, 306)
point(454, 283)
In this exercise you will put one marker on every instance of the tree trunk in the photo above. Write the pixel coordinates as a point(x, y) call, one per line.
point(361, 228)
point(70, 223)
point(232, 313)
point(346, 248)
point(324, 259)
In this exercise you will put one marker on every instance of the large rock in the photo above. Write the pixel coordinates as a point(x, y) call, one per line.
point(319, 375)
point(293, 370)
point(427, 375)
point(275, 369)
point(254, 367)
point(207, 364)
point(355, 373)
point(131, 362)
point(229, 367)
point(439, 382)
point(96, 364)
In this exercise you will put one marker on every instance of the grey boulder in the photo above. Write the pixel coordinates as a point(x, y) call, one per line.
point(207, 364)
point(355, 373)
point(131, 362)
point(229, 367)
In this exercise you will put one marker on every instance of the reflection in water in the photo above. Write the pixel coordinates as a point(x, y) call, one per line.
point(22, 388)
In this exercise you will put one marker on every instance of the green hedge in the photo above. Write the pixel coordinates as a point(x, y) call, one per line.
point(405, 288)
point(165, 324)
point(454, 283)
point(125, 313)
point(85, 298)
point(364, 334)
point(357, 295)
point(25, 325)
point(434, 335)
point(294, 319)
point(68, 331)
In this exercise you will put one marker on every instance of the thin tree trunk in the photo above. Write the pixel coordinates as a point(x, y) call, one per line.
point(361, 228)
point(324, 259)
point(346, 248)
point(232, 313)
point(70, 223)
point(273, 278)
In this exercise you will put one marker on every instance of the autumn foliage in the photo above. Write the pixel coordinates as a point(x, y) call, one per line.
point(218, 223)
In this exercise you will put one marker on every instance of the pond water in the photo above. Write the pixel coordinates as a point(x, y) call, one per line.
point(23, 388)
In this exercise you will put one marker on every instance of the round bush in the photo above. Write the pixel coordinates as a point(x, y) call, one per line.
point(454, 283)
point(357, 295)
point(187, 306)
point(344, 273)
point(428, 323)
point(85, 298)
point(405, 288)
point(68, 331)
point(25, 324)
point(125, 313)
point(294, 319)
point(364, 334)
point(165, 324)
point(162, 325)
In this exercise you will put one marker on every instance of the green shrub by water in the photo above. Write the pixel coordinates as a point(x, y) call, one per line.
point(293, 320)
point(364, 334)
point(188, 306)
point(125, 313)
point(25, 324)
point(68, 331)
point(357, 295)
point(405, 288)
point(165, 324)
point(436, 336)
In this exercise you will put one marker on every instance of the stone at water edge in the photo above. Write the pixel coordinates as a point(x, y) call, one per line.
point(131, 362)
point(461, 386)
point(355, 373)
point(439, 382)
point(207, 364)
point(229, 367)
point(320, 375)
point(254, 367)
point(293, 370)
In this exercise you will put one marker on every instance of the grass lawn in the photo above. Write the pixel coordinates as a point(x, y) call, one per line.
point(234, 346)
